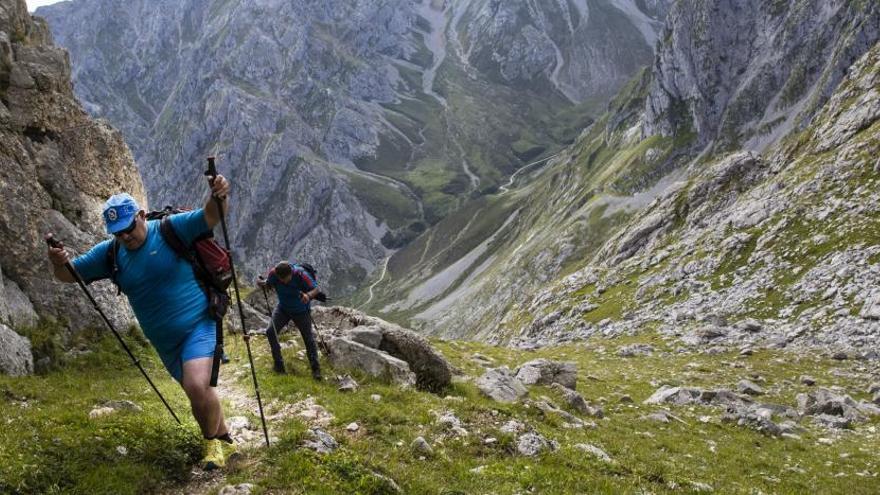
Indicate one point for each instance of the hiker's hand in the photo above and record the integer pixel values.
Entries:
(58, 256)
(304, 298)
(220, 187)
(261, 282)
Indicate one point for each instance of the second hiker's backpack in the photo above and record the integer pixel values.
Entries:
(308, 269)
(210, 261)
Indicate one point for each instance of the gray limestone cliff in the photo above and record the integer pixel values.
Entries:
(57, 166)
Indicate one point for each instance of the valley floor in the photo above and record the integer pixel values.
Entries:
(49, 444)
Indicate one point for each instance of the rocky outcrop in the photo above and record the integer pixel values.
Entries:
(56, 169)
(432, 371)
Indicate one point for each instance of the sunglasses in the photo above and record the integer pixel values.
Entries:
(127, 230)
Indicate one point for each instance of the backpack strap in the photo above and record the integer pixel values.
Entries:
(173, 240)
(113, 263)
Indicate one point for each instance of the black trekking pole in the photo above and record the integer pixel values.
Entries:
(53, 243)
(269, 310)
(321, 343)
(211, 173)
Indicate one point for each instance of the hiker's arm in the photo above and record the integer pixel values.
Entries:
(219, 189)
(90, 266)
(308, 294)
(58, 257)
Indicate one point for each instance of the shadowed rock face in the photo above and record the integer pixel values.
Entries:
(746, 71)
(57, 167)
(347, 127)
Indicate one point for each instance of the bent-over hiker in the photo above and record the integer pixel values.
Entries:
(295, 289)
(169, 303)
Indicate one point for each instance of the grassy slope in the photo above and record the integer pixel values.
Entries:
(51, 446)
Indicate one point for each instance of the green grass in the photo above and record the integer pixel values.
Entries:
(51, 446)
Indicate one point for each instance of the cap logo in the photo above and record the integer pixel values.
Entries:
(112, 215)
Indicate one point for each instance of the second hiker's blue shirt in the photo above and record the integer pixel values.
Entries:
(288, 294)
(161, 286)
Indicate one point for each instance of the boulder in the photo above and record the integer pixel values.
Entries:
(16, 357)
(824, 401)
(546, 372)
(577, 402)
(531, 444)
(347, 354)
(433, 372)
(500, 385)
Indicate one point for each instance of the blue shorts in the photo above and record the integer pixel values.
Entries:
(198, 344)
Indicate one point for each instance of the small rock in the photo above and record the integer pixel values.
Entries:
(375, 397)
(808, 380)
(874, 388)
(347, 384)
(625, 399)
(322, 443)
(478, 469)
(421, 446)
(490, 440)
(701, 487)
(749, 388)
(660, 416)
(101, 411)
(576, 401)
(448, 420)
(240, 489)
(840, 356)
(122, 405)
(513, 426)
(532, 444)
(353, 427)
(634, 350)
(122, 450)
(595, 451)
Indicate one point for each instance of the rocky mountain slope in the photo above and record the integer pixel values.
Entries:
(546, 261)
(57, 166)
(348, 127)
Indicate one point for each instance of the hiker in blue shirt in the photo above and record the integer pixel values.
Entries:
(170, 306)
(295, 289)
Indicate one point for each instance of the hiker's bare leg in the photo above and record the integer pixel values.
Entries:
(202, 397)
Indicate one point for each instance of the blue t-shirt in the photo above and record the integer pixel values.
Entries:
(161, 286)
(288, 294)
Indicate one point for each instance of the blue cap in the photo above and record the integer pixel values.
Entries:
(119, 212)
